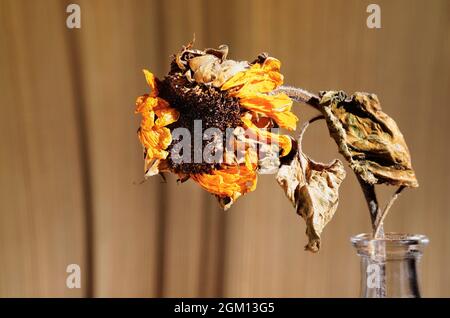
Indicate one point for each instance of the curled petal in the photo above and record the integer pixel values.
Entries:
(251, 87)
(262, 78)
(209, 69)
(283, 141)
(155, 141)
(148, 120)
(145, 103)
(277, 107)
(155, 166)
(231, 181)
(151, 81)
(166, 116)
(154, 136)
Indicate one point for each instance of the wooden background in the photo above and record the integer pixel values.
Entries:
(70, 162)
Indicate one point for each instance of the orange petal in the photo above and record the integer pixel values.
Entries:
(166, 116)
(146, 103)
(258, 78)
(230, 181)
(151, 81)
(283, 141)
(251, 86)
(148, 120)
(155, 141)
(277, 107)
(154, 136)
(271, 64)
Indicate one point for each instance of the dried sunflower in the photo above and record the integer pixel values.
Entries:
(213, 120)
(205, 87)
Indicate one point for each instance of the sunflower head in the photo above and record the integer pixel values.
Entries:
(212, 120)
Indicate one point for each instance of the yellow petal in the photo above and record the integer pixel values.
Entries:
(151, 81)
(146, 103)
(166, 116)
(251, 87)
(230, 181)
(271, 64)
(277, 107)
(148, 120)
(155, 141)
(258, 78)
(283, 141)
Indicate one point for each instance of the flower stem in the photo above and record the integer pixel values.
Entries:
(381, 216)
(300, 95)
(371, 199)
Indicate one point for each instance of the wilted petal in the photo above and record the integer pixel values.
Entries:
(155, 166)
(230, 182)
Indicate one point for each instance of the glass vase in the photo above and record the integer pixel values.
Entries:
(390, 266)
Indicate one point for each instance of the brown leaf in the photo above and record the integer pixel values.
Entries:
(368, 138)
(318, 198)
(289, 177)
(313, 189)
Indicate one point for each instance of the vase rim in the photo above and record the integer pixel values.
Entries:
(391, 238)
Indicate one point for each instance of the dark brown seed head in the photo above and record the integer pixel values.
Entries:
(215, 108)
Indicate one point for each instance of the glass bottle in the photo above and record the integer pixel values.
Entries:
(390, 266)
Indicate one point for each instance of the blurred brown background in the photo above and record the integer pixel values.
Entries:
(70, 162)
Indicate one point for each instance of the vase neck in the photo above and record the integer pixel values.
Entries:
(390, 266)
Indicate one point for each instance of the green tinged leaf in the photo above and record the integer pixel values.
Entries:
(368, 138)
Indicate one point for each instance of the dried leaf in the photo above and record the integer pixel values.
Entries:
(318, 198)
(313, 189)
(289, 177)
(368, 138)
